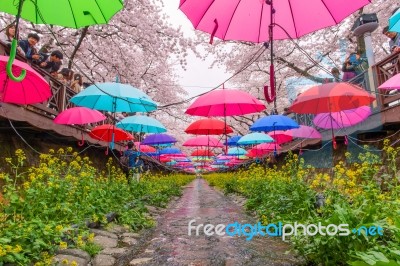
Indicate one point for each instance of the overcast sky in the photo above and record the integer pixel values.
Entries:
(198, 77)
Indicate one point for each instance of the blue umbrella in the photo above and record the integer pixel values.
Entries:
(158, 139)
(171, 150)
(232, 141)
(274, 122)
(114, 97)
(254, 138)
(394, 22)
(141, 123)
(236, 151)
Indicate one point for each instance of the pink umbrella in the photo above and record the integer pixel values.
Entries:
(79, 116)
(342, 119)
(281, 136)
(33, 89)
(391, 84)
(225, 102)
(267, 147)
(203, 141)
(249, 20)
(305, 132)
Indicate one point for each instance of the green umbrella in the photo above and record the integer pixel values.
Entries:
(66, 13)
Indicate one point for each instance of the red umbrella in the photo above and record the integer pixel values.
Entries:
(281, 136)
(208, 126)
(331, 97)
(144, 148)
(207, 153)
(33, 89)
(109, 133)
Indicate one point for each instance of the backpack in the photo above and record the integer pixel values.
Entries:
(124, 161)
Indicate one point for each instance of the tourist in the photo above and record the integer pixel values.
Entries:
(28, 47)
(135, 164)
(394, 39)
(77, 83)
(8, 35)
(53, 64)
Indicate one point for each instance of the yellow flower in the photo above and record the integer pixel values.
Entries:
(65, 261)
(69, 149)
(17, 249)
(63, 245)
(73, 263)
(59, 228)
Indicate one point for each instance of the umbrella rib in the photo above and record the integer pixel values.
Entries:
(230, 20)
(101, 11)
(73, 14)
(323, 2)
(294, 22)
(259, 28)
(204, 14)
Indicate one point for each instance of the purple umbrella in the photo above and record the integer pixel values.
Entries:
(157, 139)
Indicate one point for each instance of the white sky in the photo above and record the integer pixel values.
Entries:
(198, 77)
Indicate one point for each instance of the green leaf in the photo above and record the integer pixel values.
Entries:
(379, 255)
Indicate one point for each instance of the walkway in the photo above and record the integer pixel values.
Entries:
(171, 244)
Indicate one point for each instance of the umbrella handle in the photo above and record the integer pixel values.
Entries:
(346, 141)
(334, 144)
(106, 153)
(80, 143)
(10, 62)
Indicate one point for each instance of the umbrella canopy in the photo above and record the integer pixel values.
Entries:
(141, 123)
(281, 136)
(225, 102)
(342, 119)
(236, 151)
(109, 133)
(79, 116)
(232, 141)
(171, 150)
(331, 97)
(394, 22)
(203, 141)
(254, 138)
(248, 20)
(114, 97)
(157, 139)
(274, 122)
(208, 126)
(202, 153)
(391, 84)
(33, 89)
(66, 13)
(255, 153)
(144, 148)
(305, 132)
(267, 147)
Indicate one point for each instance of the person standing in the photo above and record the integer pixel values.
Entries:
(134, 163)
(394, 39)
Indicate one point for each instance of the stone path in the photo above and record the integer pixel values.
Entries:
(171, 244)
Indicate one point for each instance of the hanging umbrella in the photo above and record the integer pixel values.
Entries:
(249, 20)
(109, 133)
(171, 150)
(144, 148)
(254, 138)
(225, 102)
(255, 20)
(202, 141)
(391, 84)
(236, 151)
(305, 132)
(281, 136)
(255, 153)
(208, 126)
(67, 13)
(267, 147)
(394, 22)
(141, 123)
(331, 97)
(342, 119)
(114, 97)
(202, 153)
(232, 141)
(157, 139)
(78, 116)
(34, 89)
(274, 122)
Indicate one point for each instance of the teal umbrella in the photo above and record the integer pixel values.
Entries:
(114, 97)
(254, 138)
(236, 151)
(141, 123)
(394, 22)
(67, 13)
